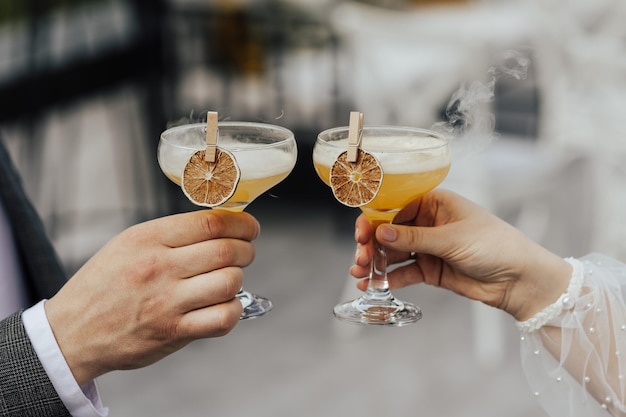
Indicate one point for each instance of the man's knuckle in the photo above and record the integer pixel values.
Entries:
(212, 225)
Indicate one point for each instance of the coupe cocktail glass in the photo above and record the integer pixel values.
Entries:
(265, 154)
(413, 162)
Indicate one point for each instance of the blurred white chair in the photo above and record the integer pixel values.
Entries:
(581, 58)
(401, 67)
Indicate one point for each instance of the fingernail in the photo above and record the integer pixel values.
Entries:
(356, 234)
(388, 233)
(357, 253)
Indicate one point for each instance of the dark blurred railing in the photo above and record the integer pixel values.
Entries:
(105, 43)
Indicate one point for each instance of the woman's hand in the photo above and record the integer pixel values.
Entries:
(453, 243)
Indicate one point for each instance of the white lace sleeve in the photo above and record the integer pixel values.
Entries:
(574, 351)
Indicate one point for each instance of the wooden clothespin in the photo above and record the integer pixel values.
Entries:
(211, 136)
(355, 132)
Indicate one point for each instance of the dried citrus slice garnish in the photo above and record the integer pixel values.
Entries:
(210, 184)
(356, 183)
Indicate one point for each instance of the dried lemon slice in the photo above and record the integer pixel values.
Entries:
(356, 183)
(210, 184)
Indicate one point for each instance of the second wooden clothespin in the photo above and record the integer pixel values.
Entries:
(211, 136)
(355, 131)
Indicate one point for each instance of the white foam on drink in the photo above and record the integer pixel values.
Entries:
(253, 162)
(396, 155)
(261, 163)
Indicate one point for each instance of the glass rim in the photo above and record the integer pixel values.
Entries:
(225, 124)
(431, 133)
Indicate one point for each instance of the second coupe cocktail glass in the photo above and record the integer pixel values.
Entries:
(265, 155)
(413, 161)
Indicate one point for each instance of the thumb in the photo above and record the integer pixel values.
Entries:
(412, 238)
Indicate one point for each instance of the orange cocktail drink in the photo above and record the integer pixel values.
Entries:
(395, 166)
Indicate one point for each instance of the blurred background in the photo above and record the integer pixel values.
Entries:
(538, 88)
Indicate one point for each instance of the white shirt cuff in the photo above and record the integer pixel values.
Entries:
(80, 401)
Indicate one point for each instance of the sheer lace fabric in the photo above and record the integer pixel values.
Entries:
(575, 364)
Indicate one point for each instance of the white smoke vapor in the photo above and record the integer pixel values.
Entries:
(201, 118)
(468, 115)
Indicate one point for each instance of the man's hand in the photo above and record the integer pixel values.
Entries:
(153, 289)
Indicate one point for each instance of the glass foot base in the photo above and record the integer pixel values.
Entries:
(253, 305)
(389, 312)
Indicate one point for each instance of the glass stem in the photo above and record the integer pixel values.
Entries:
(378, 286)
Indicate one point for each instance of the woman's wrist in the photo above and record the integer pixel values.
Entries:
(543, 282)
(566, 301)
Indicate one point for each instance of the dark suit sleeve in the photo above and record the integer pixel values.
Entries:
(43, 272)
(25, 389)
